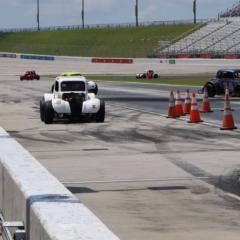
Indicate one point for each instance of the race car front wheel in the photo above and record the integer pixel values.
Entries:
(48, 112)
(211, 90)
(42, 103)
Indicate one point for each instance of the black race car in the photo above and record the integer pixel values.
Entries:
(224, 78)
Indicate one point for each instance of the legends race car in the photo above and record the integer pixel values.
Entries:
(92, 86)
(224, 78)
(147, 74)
(29, 75)
(70, 99)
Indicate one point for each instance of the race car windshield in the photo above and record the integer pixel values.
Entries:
(71, 86)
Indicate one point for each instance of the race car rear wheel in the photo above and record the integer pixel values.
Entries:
(155, 75)
(42, 103)
(48, 112)
(211, 90)
(100, 117)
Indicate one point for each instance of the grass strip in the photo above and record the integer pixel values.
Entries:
(190, 80)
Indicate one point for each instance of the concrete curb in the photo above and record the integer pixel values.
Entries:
(29, 193)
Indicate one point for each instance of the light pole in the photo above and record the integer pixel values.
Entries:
(136, 12)
(195, 11)
(38, 20)
(83, 25)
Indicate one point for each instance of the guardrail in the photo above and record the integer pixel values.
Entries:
(37, 57)
(31, 195)
(108, 25)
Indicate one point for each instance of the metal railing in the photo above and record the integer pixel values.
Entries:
(100, 26)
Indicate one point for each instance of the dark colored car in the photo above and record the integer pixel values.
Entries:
(29, 75)
(224, 77)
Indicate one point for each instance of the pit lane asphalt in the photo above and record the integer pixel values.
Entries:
(134, 145)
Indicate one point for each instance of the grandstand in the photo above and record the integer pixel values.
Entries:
(214, 40)
(234, 11)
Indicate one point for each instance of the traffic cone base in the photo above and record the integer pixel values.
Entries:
(194, 122)
(222, 110)
(228, 128)
(207, 111)
(173, 117)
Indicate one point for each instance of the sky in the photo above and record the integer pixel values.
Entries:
(22, 13)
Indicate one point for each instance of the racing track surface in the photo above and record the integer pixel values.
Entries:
(135, 145)
(154, 98)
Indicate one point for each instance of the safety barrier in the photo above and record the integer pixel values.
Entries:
(37, 57)
(112, 60)
(30, 194)
(8, 55)
(74, 59)
(204, 60)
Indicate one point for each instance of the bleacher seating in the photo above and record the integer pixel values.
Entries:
(191, 39)
(219, 40)
(234, 11)
(220, 37)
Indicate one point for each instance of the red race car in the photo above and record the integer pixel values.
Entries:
(29, 75)
(147, 74)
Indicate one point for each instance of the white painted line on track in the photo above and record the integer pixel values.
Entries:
(138, 180)
(233, 196)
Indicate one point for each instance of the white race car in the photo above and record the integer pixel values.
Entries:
(71, 99)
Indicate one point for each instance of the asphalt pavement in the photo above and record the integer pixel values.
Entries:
(154, 98)
(145, 176)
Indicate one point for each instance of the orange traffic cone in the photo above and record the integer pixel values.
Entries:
(228, 122)
(205, 103)
(194, 113)
(187, 103)
(178, 104)
(227, 93)
(172, 109)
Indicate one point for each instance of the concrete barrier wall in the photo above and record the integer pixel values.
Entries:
(29, 193)
(75, 59)
(204, 61)
(95, 60)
